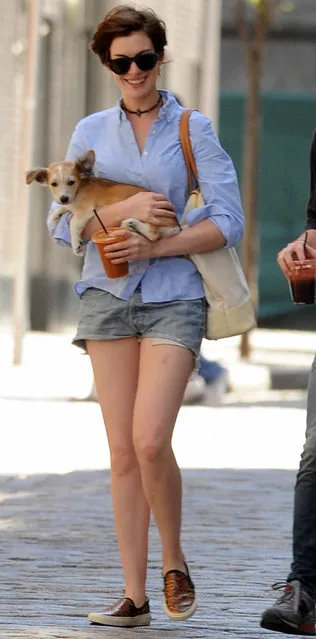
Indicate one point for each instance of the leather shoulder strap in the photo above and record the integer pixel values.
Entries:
(187, 147)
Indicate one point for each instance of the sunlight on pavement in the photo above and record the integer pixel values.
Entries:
(59, 437)
(43, 431)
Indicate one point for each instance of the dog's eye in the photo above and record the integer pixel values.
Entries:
(53, 183)
(71, 182)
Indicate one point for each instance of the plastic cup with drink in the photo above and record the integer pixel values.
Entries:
(303, 280)
(104, 238)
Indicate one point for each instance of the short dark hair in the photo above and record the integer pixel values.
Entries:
(122, 21)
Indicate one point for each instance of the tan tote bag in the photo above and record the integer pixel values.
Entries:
(230, 310)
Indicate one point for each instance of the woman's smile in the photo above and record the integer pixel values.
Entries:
(136, 83)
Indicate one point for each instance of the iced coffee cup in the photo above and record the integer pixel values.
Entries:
(302, 282)
(102, 239)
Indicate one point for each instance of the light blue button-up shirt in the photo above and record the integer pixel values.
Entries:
(159, 168)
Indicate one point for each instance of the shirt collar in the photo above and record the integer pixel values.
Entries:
(166, 110)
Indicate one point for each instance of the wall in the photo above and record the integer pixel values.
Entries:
(287, 124)
(73, 83)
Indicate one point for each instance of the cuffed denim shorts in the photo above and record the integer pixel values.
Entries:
(102, 316)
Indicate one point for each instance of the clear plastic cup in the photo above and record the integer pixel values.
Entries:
(302, 282)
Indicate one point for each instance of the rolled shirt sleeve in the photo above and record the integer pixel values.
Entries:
(217, 181)
(78, 145)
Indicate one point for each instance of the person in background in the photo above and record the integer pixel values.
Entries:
(294, 611)
(209, 383)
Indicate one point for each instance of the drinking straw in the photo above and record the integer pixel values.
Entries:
(178, 223)
(97, 216)
(305, 240)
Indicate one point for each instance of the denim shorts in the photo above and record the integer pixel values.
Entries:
(102, 316)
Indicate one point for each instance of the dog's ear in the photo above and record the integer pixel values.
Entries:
(86, 162)
(40, 175)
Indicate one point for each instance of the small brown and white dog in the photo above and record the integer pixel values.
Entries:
(78, 191)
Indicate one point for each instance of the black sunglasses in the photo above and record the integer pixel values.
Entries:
(145, 61)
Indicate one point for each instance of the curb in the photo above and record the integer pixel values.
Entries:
(253, 377)
(295, 378)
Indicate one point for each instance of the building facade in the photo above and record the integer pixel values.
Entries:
(72, 83)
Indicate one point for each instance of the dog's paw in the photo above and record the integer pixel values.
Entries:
(148, 231)
(169, 231)
(130, 225)
(58, 213)
(54, 217)
(78, 248)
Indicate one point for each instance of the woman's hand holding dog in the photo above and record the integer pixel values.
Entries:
(135, 247)
(145, 206)
(149, 207)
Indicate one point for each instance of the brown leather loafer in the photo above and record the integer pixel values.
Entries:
(122, 613)
(179, 591)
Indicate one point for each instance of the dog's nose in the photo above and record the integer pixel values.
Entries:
(64, 199)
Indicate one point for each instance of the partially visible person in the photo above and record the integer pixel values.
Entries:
(208, 383)
(294, 611)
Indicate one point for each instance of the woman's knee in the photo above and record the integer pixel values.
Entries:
(151, 448)
(123, 460)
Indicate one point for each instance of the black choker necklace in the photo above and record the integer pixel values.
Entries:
(139, 112)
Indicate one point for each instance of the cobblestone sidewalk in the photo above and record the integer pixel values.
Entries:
(59, 556)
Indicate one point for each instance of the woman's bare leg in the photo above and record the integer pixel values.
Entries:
(163, 375)
(115, 365)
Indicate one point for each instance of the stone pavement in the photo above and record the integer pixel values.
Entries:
(60, 558)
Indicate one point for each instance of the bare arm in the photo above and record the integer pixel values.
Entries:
(204, 236)
(111, 215)
(153, 208)
(199, 238)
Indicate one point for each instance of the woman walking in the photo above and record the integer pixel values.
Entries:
(143, 331)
